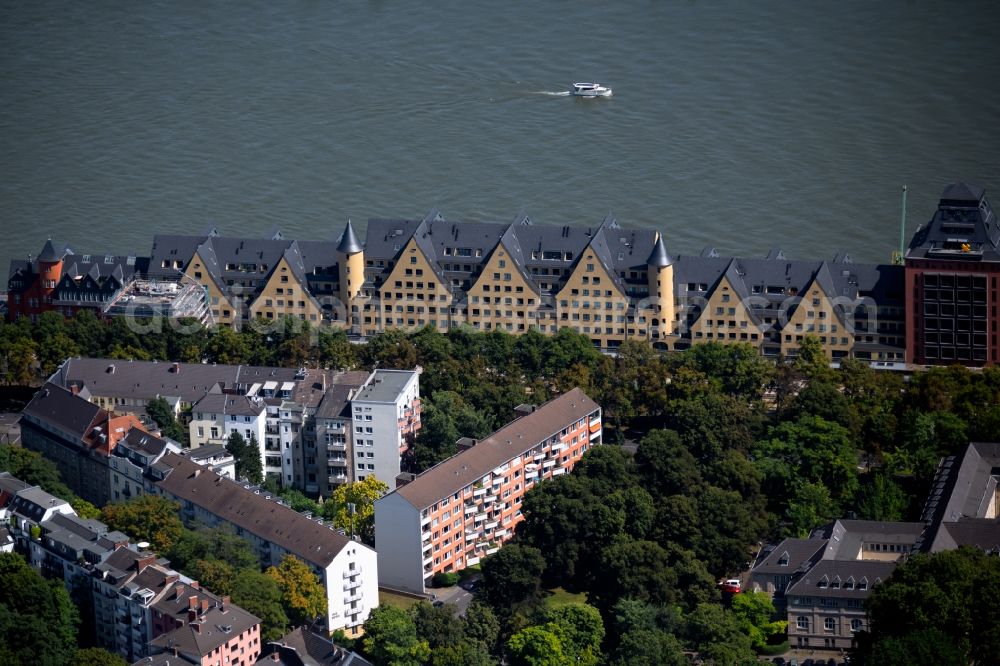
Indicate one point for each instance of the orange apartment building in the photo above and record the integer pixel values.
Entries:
(467, 506)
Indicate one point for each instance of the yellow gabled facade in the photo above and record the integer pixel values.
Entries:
(501, 298)
(412, 295)
(814, 315)
(591, 303)
(284, 295)
(725, 318)
(223, 311)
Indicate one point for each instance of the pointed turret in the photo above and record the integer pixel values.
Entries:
(351, 267)
(349, 243)
(659, 258)
(661, 285)
(49, 254)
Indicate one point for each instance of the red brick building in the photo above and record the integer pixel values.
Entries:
(952, 275)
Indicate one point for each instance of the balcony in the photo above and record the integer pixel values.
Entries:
(548, 463)
(336, 478)
(353, 597)
(470, 508)
(425, 520)
(352, 572)
(491, 525)
(478, 492)
(425, 535)
(350, 586)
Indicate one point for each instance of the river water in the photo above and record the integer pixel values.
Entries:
(740, 125)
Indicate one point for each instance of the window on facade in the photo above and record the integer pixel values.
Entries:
(802, 623)
(830, 625)
(856, 624)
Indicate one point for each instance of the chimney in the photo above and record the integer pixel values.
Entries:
(176, 368)
(204, 606)
(225, 602)
(74, 389)
(192, 602)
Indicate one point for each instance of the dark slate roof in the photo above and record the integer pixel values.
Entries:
(304, 538)
(872, 570)
(961, 491)
(222, 403)
(171, 248)
(146, 380)
(513, 439)
(800, 552)
(302, 647)
(349, 243)
(963, 218)
(659, 258)
(981, 533)
(56, 406)
(9, 486)
(32, 503)
(205, 452)
(215, 627)
(49, 254)
(142, 442)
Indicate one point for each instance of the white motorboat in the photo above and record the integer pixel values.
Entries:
(590, 90)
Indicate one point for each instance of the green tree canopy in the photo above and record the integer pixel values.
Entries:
(96, 657)
(146, 518)
(952, 592)
(352, 506)
(38, 621)
(391, 638)
(302, 593)
(537, 646)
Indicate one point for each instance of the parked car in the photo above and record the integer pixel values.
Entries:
(731, 585)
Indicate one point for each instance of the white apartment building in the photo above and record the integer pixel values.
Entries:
(467, 506)
(385, 416)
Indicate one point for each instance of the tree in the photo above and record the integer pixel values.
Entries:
(755, 610)
(38, 621)
(253, 468)
(237, 448)
(391, 638)
(718, 635)
(463, 653)
(146, 518)
(511, 579)
(882, 499)
(85, 509)
(352, 506)
(160, 411)
(952, 592)
(219, 543)
(481, 624)
(537, 646)
(437, 625)
(96, 657)
(260, 594)
(580, 630)
(649, 647)
(634, 569)
(33, 468)
(302, 593)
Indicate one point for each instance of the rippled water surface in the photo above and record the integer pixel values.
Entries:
(742, 125)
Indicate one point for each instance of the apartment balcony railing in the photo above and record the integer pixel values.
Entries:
(352, 597)
(352, 572)
(350, 586)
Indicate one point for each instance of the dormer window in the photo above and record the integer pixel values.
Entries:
(783, 560)
(835, 585)
(849, 585)
(863, 584)
(824, 582)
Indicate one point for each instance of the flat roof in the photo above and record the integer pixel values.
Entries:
(385, 385)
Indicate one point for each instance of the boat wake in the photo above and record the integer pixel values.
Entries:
(553, 93)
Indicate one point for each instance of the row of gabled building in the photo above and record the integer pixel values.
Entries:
(820, 584)
(606, 282)
(138, 606)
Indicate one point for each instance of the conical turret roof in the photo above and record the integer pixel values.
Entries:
(49, 254)
(349, 243)
(659, 258)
